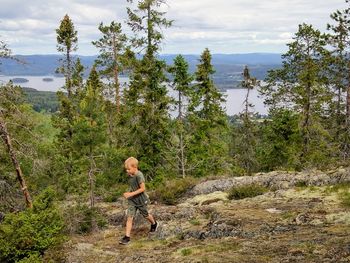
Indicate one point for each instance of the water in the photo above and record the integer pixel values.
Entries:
(234, 97)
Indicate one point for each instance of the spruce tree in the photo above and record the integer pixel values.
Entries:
(146, 97)
(181, 84)
(67, 43)
(208, 149)
(89, 131)
(67, 168)
(244, 146)
(302, 84)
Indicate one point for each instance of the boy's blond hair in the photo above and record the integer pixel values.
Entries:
(132, 161)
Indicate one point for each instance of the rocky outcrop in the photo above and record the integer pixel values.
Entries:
(275, 180)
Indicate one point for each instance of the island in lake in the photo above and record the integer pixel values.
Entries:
(19, 80)
(47, 79)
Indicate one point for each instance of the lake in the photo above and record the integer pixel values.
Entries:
(234, 97)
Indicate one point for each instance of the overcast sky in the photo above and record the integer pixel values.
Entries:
(224, 26)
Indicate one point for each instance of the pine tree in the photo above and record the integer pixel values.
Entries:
(111, 46)
(340, 77)
(11, 99)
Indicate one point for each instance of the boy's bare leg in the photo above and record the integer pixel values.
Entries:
(150, 218)
(128, 226)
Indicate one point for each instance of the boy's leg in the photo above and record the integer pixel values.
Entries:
(150, 218)
(128, 226)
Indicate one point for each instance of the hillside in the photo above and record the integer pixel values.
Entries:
(297, 220)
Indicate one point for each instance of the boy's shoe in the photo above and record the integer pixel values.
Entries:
(154, 227)
(125, 240)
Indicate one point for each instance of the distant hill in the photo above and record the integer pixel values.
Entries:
(228, 66)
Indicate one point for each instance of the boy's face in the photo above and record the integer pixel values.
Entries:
(130, 169)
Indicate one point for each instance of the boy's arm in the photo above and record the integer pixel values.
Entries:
(138, 191)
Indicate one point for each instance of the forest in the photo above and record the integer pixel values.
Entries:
(76, 155)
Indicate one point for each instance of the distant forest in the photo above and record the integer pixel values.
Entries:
(227, 76)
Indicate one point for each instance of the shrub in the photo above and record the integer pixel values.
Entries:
(82, 219)
(26, 235)
(170, 191)
(245, 191)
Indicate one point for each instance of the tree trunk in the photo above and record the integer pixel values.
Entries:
(182, 154)
(7, 140)
(306, 123)
(68, 74)
(116, 79)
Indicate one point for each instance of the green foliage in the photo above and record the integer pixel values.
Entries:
(81, 219)
(301, 184)
(241, 192)
(146, 100)
(195, 222)
(244, 136)
(171, 190)
(280, 141)
(114, 193)
(31, 258)
(302, 85)
(42, 100)
(28, 234)
(345, 199)
(207, 148)
(186, 252)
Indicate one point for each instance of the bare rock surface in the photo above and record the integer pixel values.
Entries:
(307, 224)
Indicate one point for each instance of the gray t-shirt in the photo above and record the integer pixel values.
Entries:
(134, 184)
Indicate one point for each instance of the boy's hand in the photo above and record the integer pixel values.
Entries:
(127, 195)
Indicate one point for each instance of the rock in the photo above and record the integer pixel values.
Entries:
(276, 180)
(206, 199)
(273, 211)
(303, 219)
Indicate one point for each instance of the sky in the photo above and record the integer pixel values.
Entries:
(223, 26)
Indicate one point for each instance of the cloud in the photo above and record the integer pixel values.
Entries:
(233, 26)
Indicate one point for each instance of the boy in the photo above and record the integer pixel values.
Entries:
(137, 198)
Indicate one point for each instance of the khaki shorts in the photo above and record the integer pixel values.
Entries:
(132, 209)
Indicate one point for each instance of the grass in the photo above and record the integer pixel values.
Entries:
(343, 192)
(195, 222)
(186, 252)
(246, 191)
(345, 199)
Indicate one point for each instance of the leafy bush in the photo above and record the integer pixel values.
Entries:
(26, 235)
(246, 191)
(170, 191)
